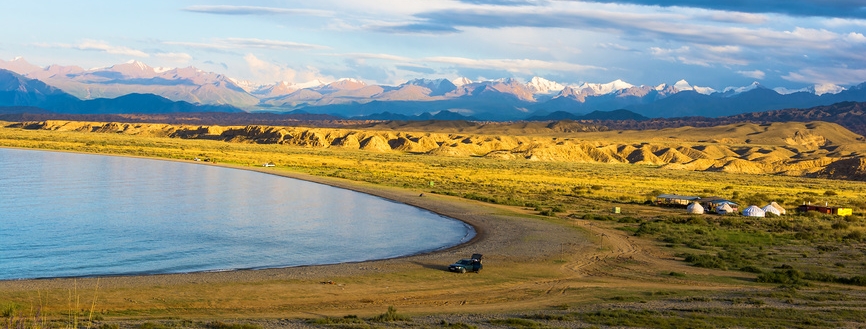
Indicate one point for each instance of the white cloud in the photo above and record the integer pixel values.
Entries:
(855, 37)
(737, 17)
(100, 46)
(614, 46)
(175, 57)
(755, 74)
(828, 75)
(844, 22)
(105, 47)
(271, 44)
(701, 55)
(247, 43)
(511, 65)
(386, 57)
(267, 72)
(253, 10)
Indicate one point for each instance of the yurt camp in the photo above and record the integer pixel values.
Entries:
(769, 209)
(753, 211)
(725, 209)
(695, 208)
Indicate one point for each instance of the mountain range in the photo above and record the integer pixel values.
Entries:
(72, 89)
(21, 94)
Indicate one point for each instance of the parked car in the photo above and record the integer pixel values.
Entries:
(473, 264)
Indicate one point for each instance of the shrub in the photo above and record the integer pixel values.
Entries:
(223, 325)
(628, 219)
(789, 276)
(348, 319)
(390, 316)
(648, 228)
(857, 280)
(697, 221)
(516, 322)
(151, 325)
(856, 236)
(458, 325)
(8, 310)
(827, 248)
(707, 261)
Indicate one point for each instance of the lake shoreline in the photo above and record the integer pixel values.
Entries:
(482, 218)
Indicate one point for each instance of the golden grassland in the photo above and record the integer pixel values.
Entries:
(645, 267)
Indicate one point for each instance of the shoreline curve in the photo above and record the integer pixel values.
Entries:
(478, 216)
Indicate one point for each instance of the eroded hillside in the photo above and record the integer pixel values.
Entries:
(798, 149)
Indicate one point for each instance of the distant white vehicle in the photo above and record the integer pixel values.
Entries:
(269, 164)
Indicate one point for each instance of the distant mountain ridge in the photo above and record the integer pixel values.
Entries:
(492, 100)
(22, 94)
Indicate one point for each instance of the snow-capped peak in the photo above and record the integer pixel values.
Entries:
(310, 84)
(740, 90)
(786, 91)
(684, 85)
(18, 58)
(461, 81)
(661, 87)
(543, 86)
(826, 88)
(352, 80)
(140, 65)
(606, 88)
(246, 84)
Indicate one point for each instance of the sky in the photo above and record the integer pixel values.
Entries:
(779, 43)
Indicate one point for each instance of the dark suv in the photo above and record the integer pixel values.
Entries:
(467, 265)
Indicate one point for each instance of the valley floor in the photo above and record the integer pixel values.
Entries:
(540, 271)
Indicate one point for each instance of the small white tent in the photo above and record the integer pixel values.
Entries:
(778, 207)
(769, 209)
(724, 209)
(753, 211)
(695, 208)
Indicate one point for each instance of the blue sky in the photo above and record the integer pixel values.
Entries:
(779, 43)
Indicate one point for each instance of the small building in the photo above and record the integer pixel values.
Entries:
(724, 209)
(674, 200)
(770, 209)
(713, 203)
(695, 208)
(753, 211)
(838, 211)
(778, 207)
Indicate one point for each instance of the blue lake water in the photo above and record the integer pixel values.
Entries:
(64, 214)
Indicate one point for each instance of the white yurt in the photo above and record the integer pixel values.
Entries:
(769, 209)
(724, 209)
(695, 208)
(753, 211)
(778, 207)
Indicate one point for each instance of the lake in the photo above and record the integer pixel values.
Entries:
(72, 215)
